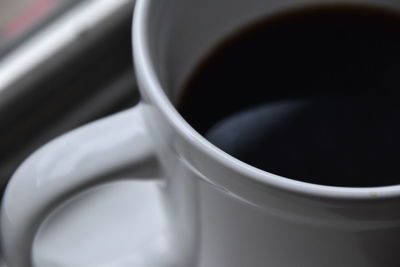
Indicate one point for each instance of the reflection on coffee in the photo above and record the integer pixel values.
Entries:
(309, 94)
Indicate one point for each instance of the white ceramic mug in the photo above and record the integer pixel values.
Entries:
(222, 212)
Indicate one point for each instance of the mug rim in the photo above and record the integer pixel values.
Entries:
(156, 94)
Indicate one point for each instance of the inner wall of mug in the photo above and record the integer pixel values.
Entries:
(182, 32)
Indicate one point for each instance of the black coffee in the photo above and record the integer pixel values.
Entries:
(310, 94)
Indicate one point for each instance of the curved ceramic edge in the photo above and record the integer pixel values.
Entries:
(68, 165)
(155, 93)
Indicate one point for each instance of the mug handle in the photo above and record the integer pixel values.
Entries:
(106, 150)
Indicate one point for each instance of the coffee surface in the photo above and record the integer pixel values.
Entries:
(309, 94)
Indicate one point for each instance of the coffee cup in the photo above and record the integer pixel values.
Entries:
(222, 212)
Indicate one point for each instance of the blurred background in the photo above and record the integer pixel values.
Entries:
(20, 17)
(63, 63)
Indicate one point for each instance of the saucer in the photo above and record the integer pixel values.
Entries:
(117, 224)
